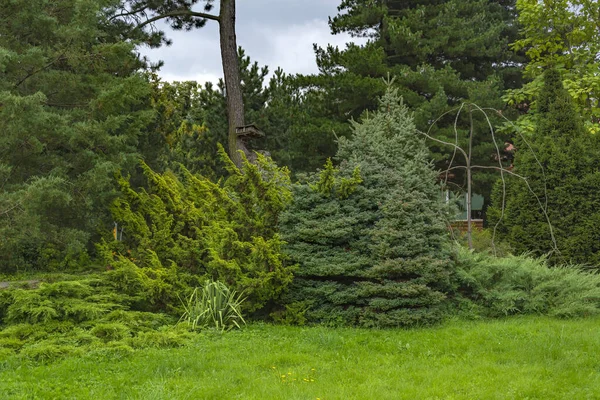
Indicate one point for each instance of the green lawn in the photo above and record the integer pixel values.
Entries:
(518, 358)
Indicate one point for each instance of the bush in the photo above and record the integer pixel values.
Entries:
(525, 285)
(110, 331)
(179, 232)
(60, 318)
(61, 301)
(482, 242)
(47, 352)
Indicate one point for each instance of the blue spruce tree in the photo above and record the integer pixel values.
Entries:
(370, 236)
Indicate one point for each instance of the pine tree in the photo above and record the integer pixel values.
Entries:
(370, 236)
(567, 186)
(73, 109)
(442, 53)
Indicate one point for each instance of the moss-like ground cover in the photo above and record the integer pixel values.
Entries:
(517, 358)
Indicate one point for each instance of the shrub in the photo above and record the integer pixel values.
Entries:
(482, 242)
(181, 231)
(110, 331)
(47, 352)
(75, 301)
(526, 285)
(88, 313)
(164, 338)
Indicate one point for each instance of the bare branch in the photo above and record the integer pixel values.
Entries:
(530, 149)
(455, 142)
(445, 143)
(127, 13)
(179, 13)
(534, 195)
(502, 170)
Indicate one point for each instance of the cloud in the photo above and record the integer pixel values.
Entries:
(275, 33)
(291, 47)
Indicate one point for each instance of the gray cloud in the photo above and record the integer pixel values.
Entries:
(277, 33)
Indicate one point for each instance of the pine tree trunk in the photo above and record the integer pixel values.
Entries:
(231, 72)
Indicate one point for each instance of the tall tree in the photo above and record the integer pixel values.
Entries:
(560, 162)
(73, 111)
(181, 15)
(442, 52)
(370, 236)
(192, 119)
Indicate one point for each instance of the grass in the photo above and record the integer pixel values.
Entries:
(517, 358)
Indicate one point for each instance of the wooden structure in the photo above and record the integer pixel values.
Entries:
(461, 225)
(247, 132)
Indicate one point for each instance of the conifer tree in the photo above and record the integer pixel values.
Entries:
(442, 53)
(370, 236)
(560, 162)
(177, 229)
(73, 110)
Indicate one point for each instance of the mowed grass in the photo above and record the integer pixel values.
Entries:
(517, 358)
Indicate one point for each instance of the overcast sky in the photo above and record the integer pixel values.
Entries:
(277, 33)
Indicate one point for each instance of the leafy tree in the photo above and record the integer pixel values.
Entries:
(562, 34)
(370, 236)
(560, 162)
(73, 110)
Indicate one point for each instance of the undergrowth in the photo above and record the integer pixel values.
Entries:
(80, 315)
(492, 287)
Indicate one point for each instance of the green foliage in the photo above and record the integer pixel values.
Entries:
(525, 285)
(111, 331)
(560, 164)
(44, 352)
(73, 109)
(483, 241)
(292, 314)
(213, 306)
(342, 188)
(442, 53)
(76, 314)
(180, 231)
(166, 337)
(561, 34)
(61, 301)
(378, 254)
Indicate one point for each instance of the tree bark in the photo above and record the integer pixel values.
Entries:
(231, 72)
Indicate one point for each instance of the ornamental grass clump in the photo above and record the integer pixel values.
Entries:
(213, 305)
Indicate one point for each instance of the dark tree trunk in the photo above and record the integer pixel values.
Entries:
(231, 72)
